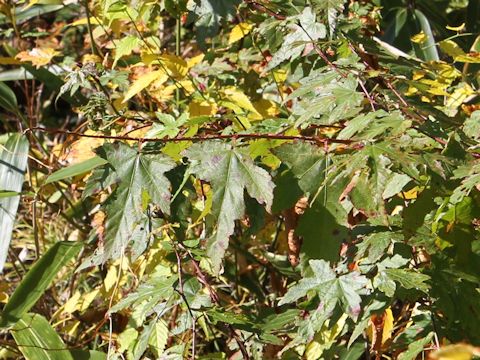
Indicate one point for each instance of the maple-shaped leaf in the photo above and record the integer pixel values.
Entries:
(38, 56)
(330, 288)
(323, 226)
(390, 273)
(230, 171)
(307, 162)
(136, 173)
(209, 15)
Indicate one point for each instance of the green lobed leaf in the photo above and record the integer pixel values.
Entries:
(209, 14)
(307, 162)
(409, 279)
(136, 173)
(330, 288)
(155, 289)
(125, 47)
(415, 348)
(230, 171)
(323, 225)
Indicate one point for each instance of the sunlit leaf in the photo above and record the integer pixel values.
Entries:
(38, 340)
(13, 162)
(230, 172)
(143, 82)
(239, 31)
(38, 56)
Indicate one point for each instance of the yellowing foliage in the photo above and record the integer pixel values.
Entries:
(38, 56)
(239, 31)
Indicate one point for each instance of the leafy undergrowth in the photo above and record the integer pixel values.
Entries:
(226, 179)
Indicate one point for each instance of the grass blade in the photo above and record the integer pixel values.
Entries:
(37, 340)
(38, 280)
(76, 169)
(13, 162)
(8, 100)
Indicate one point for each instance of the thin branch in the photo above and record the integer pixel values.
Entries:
(264, 9)
(314, 139)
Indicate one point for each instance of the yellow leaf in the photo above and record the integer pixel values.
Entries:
(110, 279)
(451, 48)
(79, 302)
(162, 93)
(459, 96)
(71, 305)
(455, 352)
(31, 3)
(410, 194)
(456, 28)
(472, 58)
(177, 66)
(71, 328)
(42, 2)
(9, 61)
(203, 108)
(418, 74)
(280, 75)
(239, 32)
(173, 149)
(207, 204)
(411, 91)
(87, 299)
(387, 325)
(144, 81)
(148, 58)
(91, 58)
(261, 148)
(324, 339)
(241, 123)
(195, 60)
(84, 21)
(447, 72)
(37, 56)
(83, 148)
(419, 38)
(264, 109)
(238, 98)
(435, 87)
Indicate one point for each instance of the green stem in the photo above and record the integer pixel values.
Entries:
(178, 39)
(93, 45)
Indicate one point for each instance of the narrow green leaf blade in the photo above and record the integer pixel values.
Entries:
(8, 100)
(76, 169)
(38, 280)
(13, 162)
(87, 355)
(37, 340)
(428, 50)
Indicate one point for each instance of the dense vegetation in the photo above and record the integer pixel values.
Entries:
(213, 179)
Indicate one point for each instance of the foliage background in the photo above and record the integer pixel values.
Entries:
(239, 179)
